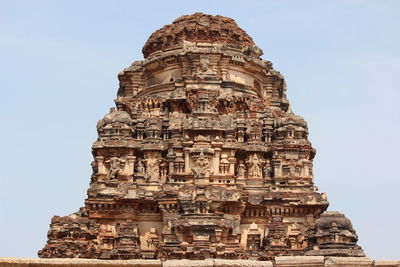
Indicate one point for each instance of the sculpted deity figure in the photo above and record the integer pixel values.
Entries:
(255, 167)
(241, 170)
(204, 62)
(267, 170)
(202, 166)
(153, 168)
(163, 170)
(140, 167)
(115, 167)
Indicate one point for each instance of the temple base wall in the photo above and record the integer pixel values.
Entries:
(287, 261)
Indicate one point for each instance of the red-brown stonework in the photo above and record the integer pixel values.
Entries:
(197, 28)
(201, 158)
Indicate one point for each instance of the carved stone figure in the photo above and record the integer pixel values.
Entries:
(254, 164)
(241, 170)
(201, 167)
(153, 166)
(140, 167)
(267, 170)
(204, 62)
(115, 167)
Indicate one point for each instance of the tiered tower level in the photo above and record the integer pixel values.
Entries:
(201, 158)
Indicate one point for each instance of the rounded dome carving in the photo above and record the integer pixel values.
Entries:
(197, 27)
(331, 219)
(115, 119)
(333, 235)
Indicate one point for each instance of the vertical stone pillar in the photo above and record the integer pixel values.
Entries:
(187, 160)
(240, 135)
(100, 165)
(171, 158)
(129, 165)
(305, 170)
(232, 163)
(217, 155)
(277, 168)
(269, 86)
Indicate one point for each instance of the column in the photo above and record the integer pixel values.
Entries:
(187, 161)
(217, 155)
(129, 165)
(101, 169)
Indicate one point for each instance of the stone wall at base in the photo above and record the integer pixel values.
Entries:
(284, 261)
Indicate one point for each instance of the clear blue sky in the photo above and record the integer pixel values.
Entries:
(59, 62)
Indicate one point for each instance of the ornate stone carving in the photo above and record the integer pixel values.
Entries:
(253, 239)
(201, 166)
(204, 63)
(198, 27)
(140, 167)
(333, 235)
(115, 167)
(202, 158)
(153, 165)
(254, 166)
(241, 170)
(267, 171)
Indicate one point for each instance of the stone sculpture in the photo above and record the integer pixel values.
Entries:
(115, 168)
(201, 158)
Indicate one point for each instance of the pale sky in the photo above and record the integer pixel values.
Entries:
(59, 62)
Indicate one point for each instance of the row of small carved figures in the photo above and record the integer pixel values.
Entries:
(254, 168)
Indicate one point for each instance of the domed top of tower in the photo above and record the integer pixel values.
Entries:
(334, 219)
(115, 117)
(333, 235)
(198, 27)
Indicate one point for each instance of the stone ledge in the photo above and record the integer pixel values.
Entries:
(188, 263)
(241, 263)
(23, 262)
(284, 261)
(348, 261)
(386, 263)
(308, 261)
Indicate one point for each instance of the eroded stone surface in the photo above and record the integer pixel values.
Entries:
(21, 262)
(201, 158)
(288, 261)
(348, 261)
(333, 235)
(284, 261)
(386, 263)
(189, 263)
(197, 28)
(241, 263)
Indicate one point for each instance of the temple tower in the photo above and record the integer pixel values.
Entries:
(202, 157)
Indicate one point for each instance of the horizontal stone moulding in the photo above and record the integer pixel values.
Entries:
(283, 261)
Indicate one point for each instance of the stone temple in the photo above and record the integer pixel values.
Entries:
(202, 158)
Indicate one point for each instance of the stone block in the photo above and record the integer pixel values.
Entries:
(188, 263)
(22, 262)
(386, 263)
(348, 261)
(241, 263)
(290, 261)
